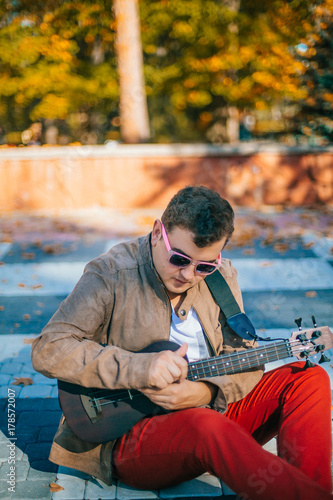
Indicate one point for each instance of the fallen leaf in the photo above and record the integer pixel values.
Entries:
(7, 239)
(266, 264)
(26, 316)
(40, 304)
(311, 294)
(248, 251)
(54, 249)
(308, 245)
(28, 341)
(17, 325)
(22, 381)
(281, 247)
(21, 285)
(2, 263)
(37, 286)
(28, 255)
(55, 487)
(63, 227)
(2, 308)
(264, 223)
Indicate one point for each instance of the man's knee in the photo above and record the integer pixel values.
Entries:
(313, 378)
(204, 421)
(320, 378)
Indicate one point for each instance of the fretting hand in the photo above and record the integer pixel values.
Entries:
(167, 367)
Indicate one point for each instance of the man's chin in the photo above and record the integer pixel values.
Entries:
(178, 282)
(178, 286)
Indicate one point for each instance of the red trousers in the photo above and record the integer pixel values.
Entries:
(290, 402)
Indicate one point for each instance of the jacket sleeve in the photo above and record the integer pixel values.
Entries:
(69, 347)
(235, 386)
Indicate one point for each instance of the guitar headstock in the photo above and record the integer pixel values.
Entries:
(311, 341)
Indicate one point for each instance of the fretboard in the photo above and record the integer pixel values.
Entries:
(239, 361)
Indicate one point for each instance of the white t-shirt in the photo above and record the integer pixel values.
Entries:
(189, 331)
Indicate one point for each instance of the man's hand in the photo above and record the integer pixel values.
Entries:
(167, 367)
(185, 394)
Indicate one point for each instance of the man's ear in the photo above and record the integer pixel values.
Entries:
(156, 233)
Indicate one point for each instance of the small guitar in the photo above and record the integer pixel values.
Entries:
(101, 415)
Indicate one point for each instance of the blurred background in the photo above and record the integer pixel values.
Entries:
(166, 71)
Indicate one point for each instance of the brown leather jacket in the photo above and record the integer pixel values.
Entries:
(120, 301)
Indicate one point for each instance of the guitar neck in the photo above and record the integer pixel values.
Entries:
(239, 361)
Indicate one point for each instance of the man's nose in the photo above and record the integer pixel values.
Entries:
(188, 272)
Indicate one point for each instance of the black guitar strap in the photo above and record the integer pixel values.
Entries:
(223, 296)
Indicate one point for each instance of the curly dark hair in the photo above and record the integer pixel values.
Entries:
(203, 212)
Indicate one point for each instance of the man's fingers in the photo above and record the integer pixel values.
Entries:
(168, 367)
(178, 366)
(177, 369)
(182, 350)
(181, 362)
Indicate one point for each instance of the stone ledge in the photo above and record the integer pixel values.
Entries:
(132, 177)
(115, 150)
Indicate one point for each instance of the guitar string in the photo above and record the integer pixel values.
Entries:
(275, 348)
(128, 396)
(270, 350)
(223, 360)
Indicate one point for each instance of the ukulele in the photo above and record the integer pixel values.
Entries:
(101, 415)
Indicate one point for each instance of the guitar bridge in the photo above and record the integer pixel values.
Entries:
(92, 407)
(96, 405)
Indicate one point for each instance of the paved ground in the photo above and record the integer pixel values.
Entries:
(285, 269)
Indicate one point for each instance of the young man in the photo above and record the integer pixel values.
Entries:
(153, 289)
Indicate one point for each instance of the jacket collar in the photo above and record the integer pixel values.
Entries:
(146, 259)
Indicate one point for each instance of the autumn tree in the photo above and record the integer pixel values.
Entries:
(58, 63)
(203, 57)
(315, 118)
(203, 60)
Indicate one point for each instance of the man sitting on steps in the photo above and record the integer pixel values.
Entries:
(152, 289)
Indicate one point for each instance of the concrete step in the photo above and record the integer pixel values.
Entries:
(80, 486)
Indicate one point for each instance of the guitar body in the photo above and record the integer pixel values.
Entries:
(101, 415)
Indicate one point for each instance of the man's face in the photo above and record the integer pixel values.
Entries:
(178, 280)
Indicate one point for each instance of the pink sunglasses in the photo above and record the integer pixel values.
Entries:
(180, 260)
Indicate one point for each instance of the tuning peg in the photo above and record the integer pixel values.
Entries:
(314, 321)
(308, 364)
(302, 338)
(298, 323)
(324, 359)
